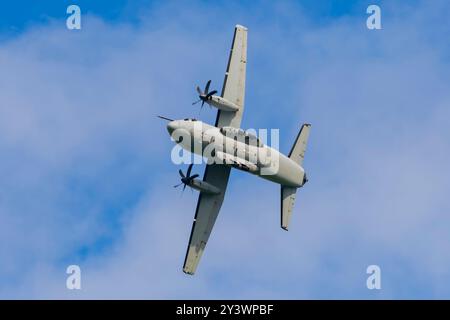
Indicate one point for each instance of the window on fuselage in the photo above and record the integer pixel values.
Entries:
(251, 140)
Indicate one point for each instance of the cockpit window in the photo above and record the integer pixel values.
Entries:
(190, 119)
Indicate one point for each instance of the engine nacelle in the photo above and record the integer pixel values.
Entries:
(204, 187)
(222, 104)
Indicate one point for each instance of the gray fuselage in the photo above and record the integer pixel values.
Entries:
(234, 147)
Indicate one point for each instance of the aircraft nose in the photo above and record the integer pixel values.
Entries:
(171, 126)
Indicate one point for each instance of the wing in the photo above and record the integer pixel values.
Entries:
(234, 83)
(208, 207)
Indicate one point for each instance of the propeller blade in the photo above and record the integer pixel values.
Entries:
(203, 102)
(199, 90)
(188, 173)
(196, 101)
(211, 94)
(184, 187)
(181, 173)
(164, 118)
(194, 176)
(207, 86)
(176, 186)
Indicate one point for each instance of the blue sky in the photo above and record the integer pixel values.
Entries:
(20, 14)
(84, 181)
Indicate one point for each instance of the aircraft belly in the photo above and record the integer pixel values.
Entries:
(289, 173)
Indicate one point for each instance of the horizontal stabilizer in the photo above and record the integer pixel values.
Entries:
(287, 204)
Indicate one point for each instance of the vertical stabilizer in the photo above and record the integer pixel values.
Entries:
(298, 149)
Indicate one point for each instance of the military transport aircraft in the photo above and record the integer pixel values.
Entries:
(288, 171)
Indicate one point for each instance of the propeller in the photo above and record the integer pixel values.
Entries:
(205, 95)
(186, 179)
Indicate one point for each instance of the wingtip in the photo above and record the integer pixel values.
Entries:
(239, 26)
(188, 272)
(284, 228)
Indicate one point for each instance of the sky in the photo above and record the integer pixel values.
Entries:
(86, 174)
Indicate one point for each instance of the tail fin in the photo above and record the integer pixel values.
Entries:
(288, 193)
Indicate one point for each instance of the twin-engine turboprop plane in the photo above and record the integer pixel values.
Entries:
(227, 146)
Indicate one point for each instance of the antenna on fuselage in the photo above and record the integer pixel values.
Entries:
(164, 118)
